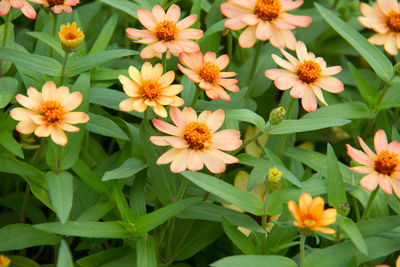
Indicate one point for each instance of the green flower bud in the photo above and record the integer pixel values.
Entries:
(273, 181)
(277, 115)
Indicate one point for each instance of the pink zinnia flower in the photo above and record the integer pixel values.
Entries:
(58, 6)
(263, 20)
(305, 76)
(49, 112)
(164, 33)
(384, 18)
(382, 168)
(195, 141)
(206, 71)
(26, 8)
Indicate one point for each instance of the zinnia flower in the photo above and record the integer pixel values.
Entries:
(263, 20)
(4, 261)
(164, 33)
(150, 89)
(206, 71)
(382, 168)
(384, 18)
(58, 6)
(310, 214)
(26, 8)
(71, 36)
(195, 141)
(305, 77)
(49, 112)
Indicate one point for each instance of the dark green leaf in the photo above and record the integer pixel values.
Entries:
(238, 238)
(352, 231)
(336, 191)
(8, 87)
(105, 35)
(104, 126)
(305, 125)
(146, 252)
(61, 193)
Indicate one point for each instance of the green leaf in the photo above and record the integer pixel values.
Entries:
(33, 62)
(146, 252)
(8, 142)
(8, 87)
(89, 61)
(107, 257)
(196, 9)
(255, 260)
(375, 226)
(61, 193)
(48, 39)
(130, 167)
(105, 35)
(348, 110)
(378, 61)
(137, 198)
(20, 236)
(215, 28)
(352, 231)
(124, 5)
(122, 204)
(64, 256)
(104, 126)
(19, 261)
(245, 115)
(238, 238)
(244, 200)
(362, 84)
(336, 191)
(305, 125)
(96, 212)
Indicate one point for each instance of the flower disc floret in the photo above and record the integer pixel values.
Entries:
(386, 162)
(58, 6)
(51, 110)
(197, 135)
(309, 71)
(268, 10)
(166, 31)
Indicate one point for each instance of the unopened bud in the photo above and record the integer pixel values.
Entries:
(277, 115)
(225, 32)
(71, 36)
(397, 68)
(273, 181)
(345, 208)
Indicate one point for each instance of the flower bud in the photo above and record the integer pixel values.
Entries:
(70, 37)
(4, 261)
(273, 181)
(397, 68)
(277, 115)
(345, 208)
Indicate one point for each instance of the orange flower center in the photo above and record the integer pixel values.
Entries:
(197, 135)
(166, 31)
(70, 36)
(386, 162)
(393, 21)
(209, 72)
(55, 2)
(308, 71)
(268, 10)
(51, 110)
(150, 90)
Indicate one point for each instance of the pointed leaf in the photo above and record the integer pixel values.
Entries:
(61, 193)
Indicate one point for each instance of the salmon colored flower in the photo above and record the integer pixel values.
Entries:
(58, 6)
(382, 168)
(195, 141)
(384, 18)
(264, 20)
(164, 33)
(49, 112)
(4, 261)
(71, 36)
(150, 89)
(26, 8)
(310, 214)
(305, 77)
(206, 71)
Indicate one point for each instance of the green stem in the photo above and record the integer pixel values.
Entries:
(63, 68)
(25, 203)
(335, 4)
(369, 205)
(337, 238)
(254, 67)
(164, 62)
(302, 244)
(195, 97)
(248, 141)
(356, 209)
(284, 137)
(230, 45)
(53, 32)
(264, 226)
(384, 91)
(6, 22)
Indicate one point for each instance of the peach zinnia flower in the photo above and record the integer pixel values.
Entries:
(195, 141)
(71, 36)
(384, 18)
(150, 89)
(26, 8)
(207, 72)
(4, 261)
(310, 214)
(305, 77)
(49, 112)
(264, 19)
(58, 6)
(382, 168)
(164, 33)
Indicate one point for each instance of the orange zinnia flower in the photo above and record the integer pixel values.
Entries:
(195, 140)
(207, 72)
(26, 8)
(150, 89)
(164, 33)
(384, 18)
(310, 214)
(49, 112)
(58, 6)
(4, 261)
(382, 168)
(264, 19)
(71, 36)
(305, 77)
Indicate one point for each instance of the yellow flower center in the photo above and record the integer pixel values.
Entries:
(209, 72)
(55, 2)
(309, 71)
(197, 135)
(166, 31)
(386, 162)
(393, 21)
(309, 223)
(51, 110)
(150, 90)
(268, 10)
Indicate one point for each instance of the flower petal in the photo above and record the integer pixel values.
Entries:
(380, 141)
(76, 117)
(180, 162)
(195, 161)
(370, 181)
(72, 101)
(359, 156)
(58, 135)
(227, 139)
(146, 18)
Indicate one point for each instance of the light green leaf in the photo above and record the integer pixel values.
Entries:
(362, 84)
(19, 261)
(255, 260)
(8, 87)
(124, 5)
(50, 40)
(61, 193)
(104, 126)
(238, 238)
(245, 115)
(352, 231)
(64, 256)
(217, 27)
(305, 125)
(105, 35)
(336, 191)
(348, 110)
(130, 167)
(8, 142)
(146, 252)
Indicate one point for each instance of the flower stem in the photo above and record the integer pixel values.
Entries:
(254, 67)
(369, 205)
(302, 244)
(63, 68)
(284, 137)
(5, 33)
(53, 33)
(230, 45)
(264, 226)
(195, 97)
(164, 62)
